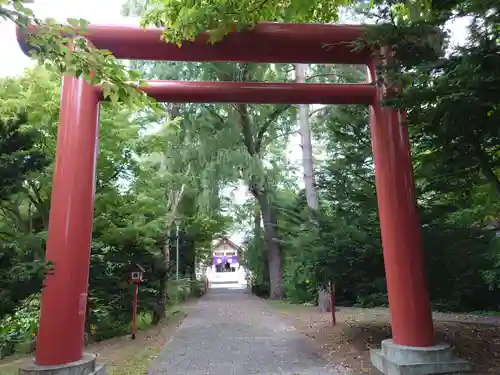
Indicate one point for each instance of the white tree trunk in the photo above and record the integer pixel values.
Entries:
(308, 165)
(306, 142)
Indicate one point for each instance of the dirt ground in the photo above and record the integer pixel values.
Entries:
(122, 355)
(476, 338)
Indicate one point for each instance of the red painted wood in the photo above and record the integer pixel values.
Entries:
(62, 320)
(260, 93)
(267, 42)
(409, 303)
(134, 311)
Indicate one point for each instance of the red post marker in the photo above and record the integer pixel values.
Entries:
(134, 311)
(332, 302)
(136, 278)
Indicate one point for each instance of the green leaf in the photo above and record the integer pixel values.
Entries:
(74, 22)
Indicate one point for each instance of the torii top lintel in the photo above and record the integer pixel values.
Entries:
(266, 42)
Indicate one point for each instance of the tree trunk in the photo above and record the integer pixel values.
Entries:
(270, 221)
(161, 303)
(308, 165)
(306, 142)
(88, 337)
(324, 300)
(257, 234)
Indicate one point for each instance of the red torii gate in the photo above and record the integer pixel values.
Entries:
(61, 331)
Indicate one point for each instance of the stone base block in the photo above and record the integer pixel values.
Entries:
(394, 359)
(99, 370)
(86, 366)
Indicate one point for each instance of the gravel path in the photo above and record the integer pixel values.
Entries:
(232, 332)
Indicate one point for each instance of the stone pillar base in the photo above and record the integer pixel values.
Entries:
(395, 359)
(86, 366)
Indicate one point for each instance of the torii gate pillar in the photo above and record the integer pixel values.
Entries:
(60, 338)
(412, 349)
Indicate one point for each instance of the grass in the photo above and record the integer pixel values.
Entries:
(486, 313)
(122, 355)
(287, 307)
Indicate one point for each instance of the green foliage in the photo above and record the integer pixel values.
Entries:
(197, 288)
(106, 326)
(184, 288)
(185, 20)
(49, 43)
(20, 274)
(112, 328)
(130, 222)
(342, 242)
(18, 158)
(20, 327)
(256, 261)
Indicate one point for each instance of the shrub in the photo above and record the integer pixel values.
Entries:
(18, 329)
(197, 288)
(179, 291)
(260, 290)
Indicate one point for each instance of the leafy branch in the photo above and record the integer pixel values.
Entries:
(186, 19)
(65, 49)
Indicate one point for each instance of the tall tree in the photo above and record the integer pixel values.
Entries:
(232, 142)
(306, 144)
(308, 167)
(21, 275)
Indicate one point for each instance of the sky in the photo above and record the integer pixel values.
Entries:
(95, 11)
(14, 62)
